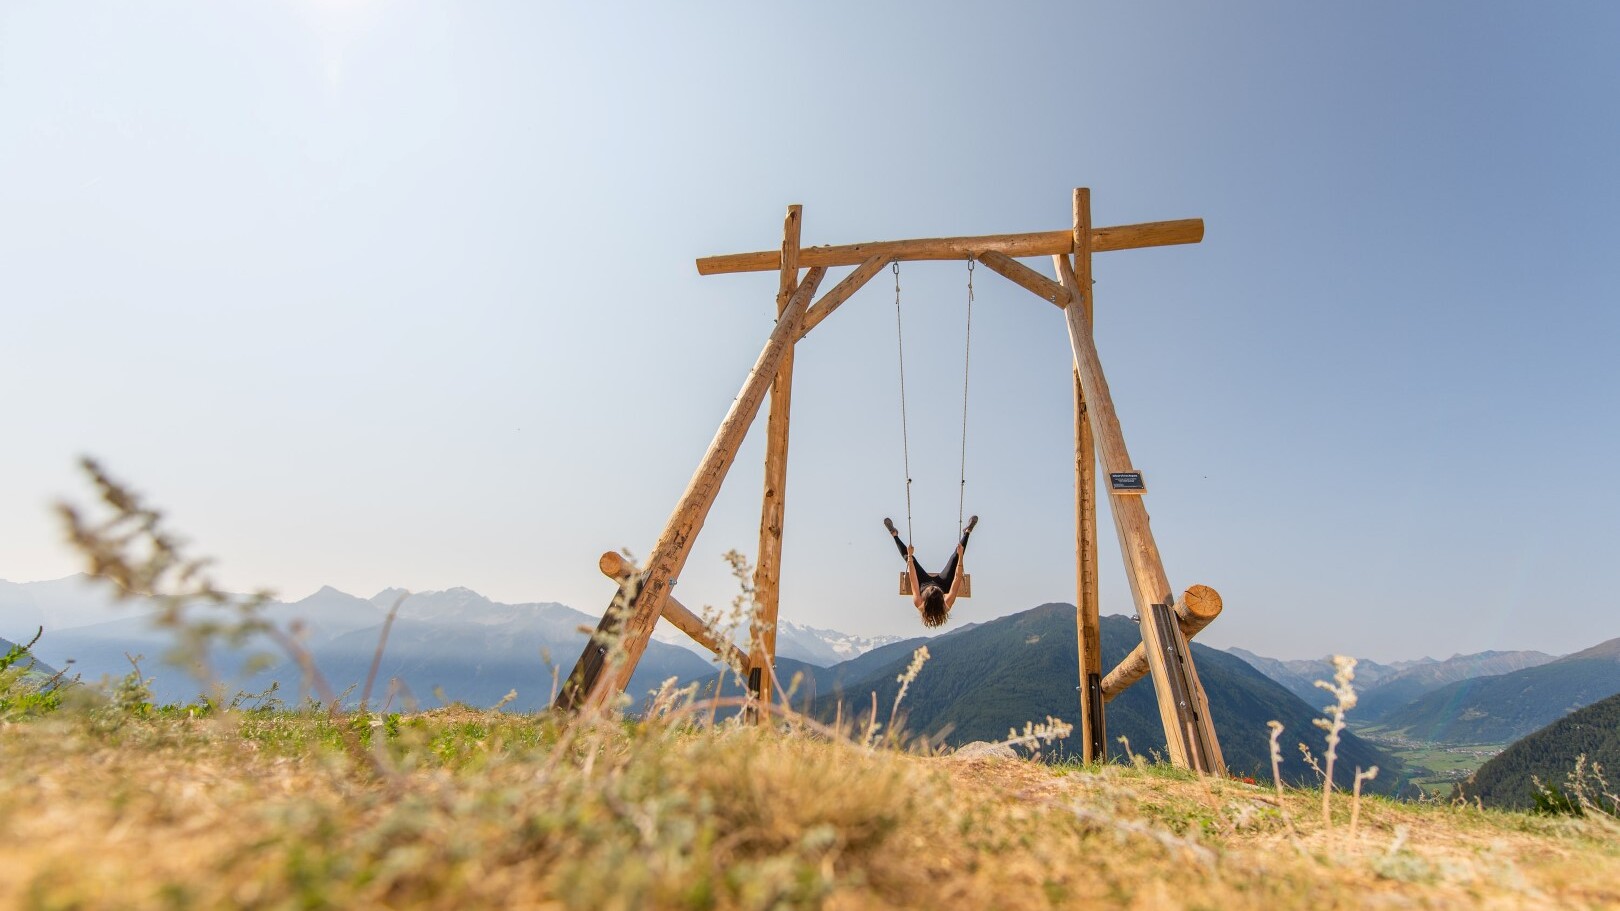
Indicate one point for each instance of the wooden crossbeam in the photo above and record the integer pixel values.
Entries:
(1038, 243)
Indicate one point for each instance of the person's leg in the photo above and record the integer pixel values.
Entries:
(904, 553)
(948, 574)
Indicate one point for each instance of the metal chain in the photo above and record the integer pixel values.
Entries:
(967, 349)
(905, 431)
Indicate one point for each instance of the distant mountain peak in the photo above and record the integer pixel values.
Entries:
(389, 596)
(1609, 649)
(811, 645)
(327, 591)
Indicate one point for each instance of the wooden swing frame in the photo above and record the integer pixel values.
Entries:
(1167, 623)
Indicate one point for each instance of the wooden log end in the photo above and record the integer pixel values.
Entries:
(615, 566)
(1202, 602)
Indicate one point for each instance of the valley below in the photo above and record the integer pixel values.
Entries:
(1434, 768)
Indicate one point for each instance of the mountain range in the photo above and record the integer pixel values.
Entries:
(808, 644)
(457, 645)
(1299, 675)
(455, 642)
(1402, 687)
(1383, 688)
(1504, 707)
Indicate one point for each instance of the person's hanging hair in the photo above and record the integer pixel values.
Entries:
(934, 610)
(934, 595)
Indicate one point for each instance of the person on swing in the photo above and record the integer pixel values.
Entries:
(934, 595)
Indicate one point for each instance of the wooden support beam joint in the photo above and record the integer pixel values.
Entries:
(1196, 609)
(1025, 277)
(617, 568)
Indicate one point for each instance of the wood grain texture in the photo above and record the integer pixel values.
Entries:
(675, 543)
(1093, 715)
(1037, 243)
(1088, 625)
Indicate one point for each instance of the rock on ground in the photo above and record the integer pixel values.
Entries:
(980, 749)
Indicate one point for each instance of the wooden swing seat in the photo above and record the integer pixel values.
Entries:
(964, 590)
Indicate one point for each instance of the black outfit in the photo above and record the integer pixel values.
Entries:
(946, 576)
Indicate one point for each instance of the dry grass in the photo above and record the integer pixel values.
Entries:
(486, 810)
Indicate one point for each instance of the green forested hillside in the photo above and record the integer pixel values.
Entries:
(997, 675)
(1509, 780)
(1505, 707)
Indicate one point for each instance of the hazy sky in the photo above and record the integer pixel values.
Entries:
(400, 294)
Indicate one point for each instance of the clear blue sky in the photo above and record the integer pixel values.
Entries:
(373, 294)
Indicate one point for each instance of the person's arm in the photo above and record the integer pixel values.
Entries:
(916, 583)
(957, 562)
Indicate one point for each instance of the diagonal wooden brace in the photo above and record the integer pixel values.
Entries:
(1026, 278)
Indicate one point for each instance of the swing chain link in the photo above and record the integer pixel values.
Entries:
(905, 431)
(967, 349)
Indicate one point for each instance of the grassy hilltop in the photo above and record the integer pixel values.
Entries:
(126, 806)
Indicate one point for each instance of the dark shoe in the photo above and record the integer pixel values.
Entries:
(889, 524)
(971, 522)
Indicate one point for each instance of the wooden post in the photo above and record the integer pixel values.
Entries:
(595, 688)
(1182, 708)
(1093, 718)
(1093, 724)
(767, 571)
